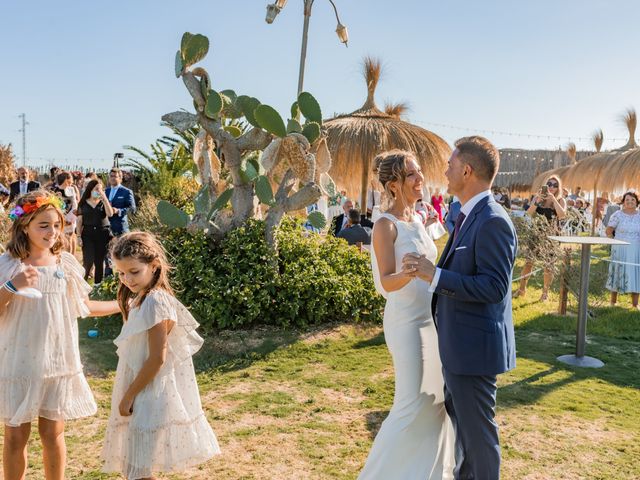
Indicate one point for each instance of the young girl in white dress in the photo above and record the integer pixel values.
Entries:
(41, 374)
(416, 439)
(156, 422)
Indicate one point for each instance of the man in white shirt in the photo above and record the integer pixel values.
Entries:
(471, 306)
(340, 221)
(23, 185)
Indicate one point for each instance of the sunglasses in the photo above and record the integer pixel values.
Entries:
(552, 184)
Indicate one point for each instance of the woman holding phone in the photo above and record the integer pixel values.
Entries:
(550, 204)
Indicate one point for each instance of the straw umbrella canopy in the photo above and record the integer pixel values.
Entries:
(623, 171)
(356, 138)
(559, 172)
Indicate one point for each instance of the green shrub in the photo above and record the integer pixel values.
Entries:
(238, 283)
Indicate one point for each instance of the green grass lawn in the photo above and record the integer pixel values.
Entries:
(307, 404)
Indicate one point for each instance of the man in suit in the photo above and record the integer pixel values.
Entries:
(340, 221)
(122, 201)
(354, 232)
(22, 185)
(452, 214)
(472, 307)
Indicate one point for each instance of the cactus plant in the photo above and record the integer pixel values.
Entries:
(263, 190)
(214, 104)
(317, 220)
(293, 126)
(310, 107)
(295, 110)
(193, 48)
(311, 131)
(179, 66)
(248, 106)
(172, 216)
(285, 178)
(270, 120)
(222, 200)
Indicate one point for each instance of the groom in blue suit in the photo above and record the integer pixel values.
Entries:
(472, 307)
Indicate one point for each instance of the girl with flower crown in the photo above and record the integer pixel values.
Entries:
(42, 295)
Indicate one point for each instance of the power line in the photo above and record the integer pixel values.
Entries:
(514, 134)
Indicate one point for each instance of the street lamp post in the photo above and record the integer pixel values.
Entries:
(274, 9)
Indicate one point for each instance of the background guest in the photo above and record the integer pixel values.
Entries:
(122, 202)
(452, 214)
(53, 175)
(94, 211)
(66, 190)
(354, 232)
(22, 185)
(547, 203)
(438, 203)
(624, 277)
(340, 221)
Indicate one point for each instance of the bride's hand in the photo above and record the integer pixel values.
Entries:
(418, 265)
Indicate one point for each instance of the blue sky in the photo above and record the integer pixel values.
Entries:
(93, 76)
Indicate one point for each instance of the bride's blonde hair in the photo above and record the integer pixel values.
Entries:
(391, 166)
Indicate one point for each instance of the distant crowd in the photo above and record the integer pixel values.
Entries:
(93, 215)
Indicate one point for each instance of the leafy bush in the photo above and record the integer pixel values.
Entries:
(238, 282)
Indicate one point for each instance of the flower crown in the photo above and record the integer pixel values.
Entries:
(30, 207)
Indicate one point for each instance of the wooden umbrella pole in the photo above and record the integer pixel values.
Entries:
(594, 209)
(364, 186)
(564, 283)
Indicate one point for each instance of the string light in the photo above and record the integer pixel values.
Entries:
(514, 134)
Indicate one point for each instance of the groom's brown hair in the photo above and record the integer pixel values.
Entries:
(481, 154)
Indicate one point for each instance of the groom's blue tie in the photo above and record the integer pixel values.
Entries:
(459, 219)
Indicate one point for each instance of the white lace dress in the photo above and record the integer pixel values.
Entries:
(415, 441)
(40, 370)
(168, 430)
(624, 277)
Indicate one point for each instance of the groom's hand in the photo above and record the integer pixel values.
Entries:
(418, 265)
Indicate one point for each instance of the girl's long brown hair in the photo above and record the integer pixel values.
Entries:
(145, 248)
(18, 246)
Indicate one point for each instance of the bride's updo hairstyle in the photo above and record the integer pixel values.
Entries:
(391, 166)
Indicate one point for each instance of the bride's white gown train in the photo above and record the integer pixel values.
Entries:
(416, 440)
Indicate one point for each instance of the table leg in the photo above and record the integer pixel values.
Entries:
(580, 359)
(583, 306)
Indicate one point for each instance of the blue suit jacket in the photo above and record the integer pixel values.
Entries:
(472, 301)
(124, 201)
(450, 220)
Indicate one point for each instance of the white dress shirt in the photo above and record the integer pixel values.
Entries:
(112, 192)
(465, 209)
(24, 187)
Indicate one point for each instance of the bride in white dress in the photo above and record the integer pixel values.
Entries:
(415, 441)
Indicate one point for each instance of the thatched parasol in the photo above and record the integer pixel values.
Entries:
(623, 172)
(539, 180)
(355, 139)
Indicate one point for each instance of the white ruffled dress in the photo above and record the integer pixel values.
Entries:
(40, 370)
(168, 430)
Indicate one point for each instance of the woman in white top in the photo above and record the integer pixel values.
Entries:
(624, 270)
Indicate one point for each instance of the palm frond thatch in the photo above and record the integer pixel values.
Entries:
(541, 178)
(355, 139)
(623, 172)
(588, 171)
(630, 119)
(396, 110)
(571, 152)
(598, 139)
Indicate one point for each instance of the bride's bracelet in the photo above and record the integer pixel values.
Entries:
(10, 287)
